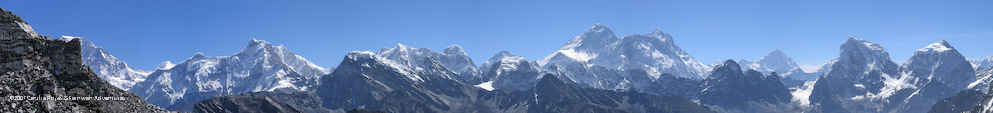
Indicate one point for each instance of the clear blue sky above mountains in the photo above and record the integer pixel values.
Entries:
(145, 33)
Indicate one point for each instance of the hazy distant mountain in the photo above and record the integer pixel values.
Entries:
(779, 62)
(983, 63)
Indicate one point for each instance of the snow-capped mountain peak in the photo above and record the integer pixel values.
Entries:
(511, 72)
(263, 49)
(939, 46)
(454, 49)
(503, 55)
(165, 65)
(942, 63)
(859, 49)
(583, 47)
(260, 66)
(600, 28)
(108, 67)
(424, 59)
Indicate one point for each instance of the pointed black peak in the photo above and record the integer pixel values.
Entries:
(455, 49)
(7, 16)
(943, 42)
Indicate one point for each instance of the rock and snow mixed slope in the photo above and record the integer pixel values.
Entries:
(38, 66)
(862, 69)
(261, 66)
(863, 79)
(107, 66)
(936, 71)
(508, 71)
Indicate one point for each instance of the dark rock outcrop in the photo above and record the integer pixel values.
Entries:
(36, 66)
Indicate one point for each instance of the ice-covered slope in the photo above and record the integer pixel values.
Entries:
(107, 66)
(261, 66)
(453, 58)
(654, 52)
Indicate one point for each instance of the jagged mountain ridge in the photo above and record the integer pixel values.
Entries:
(863, 79)
(369, 81)
(453, 58)
(261, 66)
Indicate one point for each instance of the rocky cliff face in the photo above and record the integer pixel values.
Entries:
(37, 66)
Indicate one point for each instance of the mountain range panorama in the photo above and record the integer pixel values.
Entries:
(596, 71)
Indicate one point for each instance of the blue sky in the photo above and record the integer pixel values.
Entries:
(145, 33)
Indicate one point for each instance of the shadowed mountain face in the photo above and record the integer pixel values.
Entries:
(37, 66)
(731, 88)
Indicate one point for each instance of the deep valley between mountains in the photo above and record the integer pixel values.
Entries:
(596, 71)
